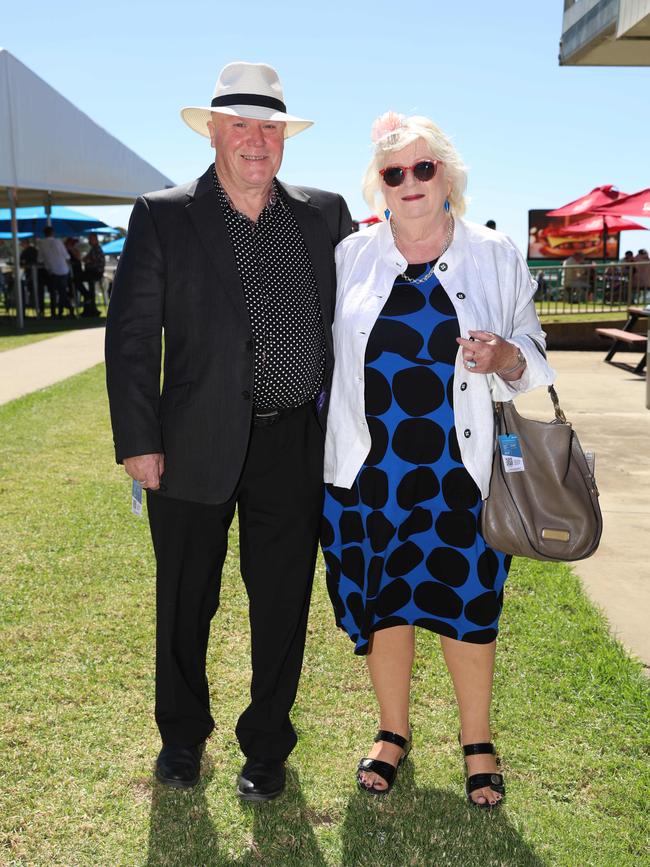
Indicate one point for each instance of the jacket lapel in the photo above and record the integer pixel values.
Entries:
(316, 236)
(207, 219)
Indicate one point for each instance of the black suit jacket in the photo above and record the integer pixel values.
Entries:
(178, 273)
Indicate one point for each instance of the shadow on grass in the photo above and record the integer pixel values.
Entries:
(412, 827)
(47, 325)
(182, 834)
(431, 827)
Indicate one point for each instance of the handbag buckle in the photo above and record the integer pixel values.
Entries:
(552, 535)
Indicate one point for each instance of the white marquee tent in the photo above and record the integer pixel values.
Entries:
(51, 153)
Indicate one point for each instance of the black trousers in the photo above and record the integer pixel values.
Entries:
(279, 500)
(92, 278)
(59, 300)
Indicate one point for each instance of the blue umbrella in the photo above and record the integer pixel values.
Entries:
(6, 235)
(114, 247)
(64, 220)
(106, 230)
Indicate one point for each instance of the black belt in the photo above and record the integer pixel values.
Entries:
(266, 417)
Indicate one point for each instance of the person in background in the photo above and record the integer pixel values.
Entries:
(29, 265)
(575, 277)
(642, 277)
(76, 285)
(434, 320)
(627, 277)
(95, 262)
(56, 260)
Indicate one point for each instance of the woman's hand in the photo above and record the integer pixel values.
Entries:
(486, 352)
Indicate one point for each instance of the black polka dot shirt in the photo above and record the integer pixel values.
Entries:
(282, 299)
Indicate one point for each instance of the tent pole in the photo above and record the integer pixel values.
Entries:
(48, 209)
(18, 289)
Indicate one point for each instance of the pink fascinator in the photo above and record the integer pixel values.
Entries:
(386, 125)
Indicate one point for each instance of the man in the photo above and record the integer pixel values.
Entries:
(56, 261)
(641, 283)
(29, 265)
(575, 277)
(95, 262)
(238, 269)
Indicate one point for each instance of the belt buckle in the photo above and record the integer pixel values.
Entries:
(264, 419)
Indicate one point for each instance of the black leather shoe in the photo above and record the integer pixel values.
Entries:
(178, 766)
(261, 781)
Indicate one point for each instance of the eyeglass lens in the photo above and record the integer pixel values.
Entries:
(423, 171)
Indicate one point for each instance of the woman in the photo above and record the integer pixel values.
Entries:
(434, 320)
(76, 283)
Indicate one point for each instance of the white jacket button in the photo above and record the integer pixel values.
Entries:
(443, 266)
(460, 295)
(463, 386)
(467, 433)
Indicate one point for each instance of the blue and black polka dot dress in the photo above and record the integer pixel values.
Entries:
(403, 545)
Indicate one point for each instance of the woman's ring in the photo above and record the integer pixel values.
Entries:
(470, 365)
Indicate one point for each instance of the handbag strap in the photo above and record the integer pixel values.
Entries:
(559, 414)
(557, 409)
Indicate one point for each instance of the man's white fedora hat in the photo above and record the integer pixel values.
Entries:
(246, 90)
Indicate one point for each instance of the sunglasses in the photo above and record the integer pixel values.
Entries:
(395, 175)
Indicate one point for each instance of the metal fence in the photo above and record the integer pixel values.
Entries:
(608, 287)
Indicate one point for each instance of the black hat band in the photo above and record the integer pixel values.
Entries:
(249, 99)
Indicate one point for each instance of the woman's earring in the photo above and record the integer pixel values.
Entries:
(387, 213)
(447, 205)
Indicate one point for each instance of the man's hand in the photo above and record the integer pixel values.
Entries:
(146, 469)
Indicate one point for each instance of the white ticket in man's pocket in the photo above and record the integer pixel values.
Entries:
(136, 498)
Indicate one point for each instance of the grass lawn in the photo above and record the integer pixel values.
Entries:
(77, 738)
(40, 329)
(584, 317)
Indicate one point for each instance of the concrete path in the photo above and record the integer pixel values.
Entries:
(606, 406)
(40, 364)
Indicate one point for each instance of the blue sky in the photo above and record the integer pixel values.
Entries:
(534, 134)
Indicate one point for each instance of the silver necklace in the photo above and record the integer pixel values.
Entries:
(448, 239)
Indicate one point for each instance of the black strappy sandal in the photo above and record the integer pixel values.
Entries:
(385, 770)
(480, 781)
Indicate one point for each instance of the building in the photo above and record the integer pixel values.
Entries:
(605, 33)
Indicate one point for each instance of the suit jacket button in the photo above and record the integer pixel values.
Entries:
(246, 395)
(467, 433)
(460, 295)
(443, 266)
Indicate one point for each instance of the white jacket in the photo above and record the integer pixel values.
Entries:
(487, 281)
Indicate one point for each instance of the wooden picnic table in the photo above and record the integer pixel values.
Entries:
(628, 335)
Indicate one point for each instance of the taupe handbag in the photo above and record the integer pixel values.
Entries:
(549, 509)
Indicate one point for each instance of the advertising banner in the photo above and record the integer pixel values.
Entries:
(546, 242)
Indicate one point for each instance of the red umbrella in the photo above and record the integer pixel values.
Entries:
(636, 205)
(598, 197)
(599, 223)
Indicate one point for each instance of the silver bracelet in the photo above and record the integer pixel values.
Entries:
(521, 362)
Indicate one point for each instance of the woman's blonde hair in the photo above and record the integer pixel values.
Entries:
(391, 132)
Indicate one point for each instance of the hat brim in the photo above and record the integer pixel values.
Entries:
(197, 117)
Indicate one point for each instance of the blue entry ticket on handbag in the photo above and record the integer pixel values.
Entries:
(510, 447)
